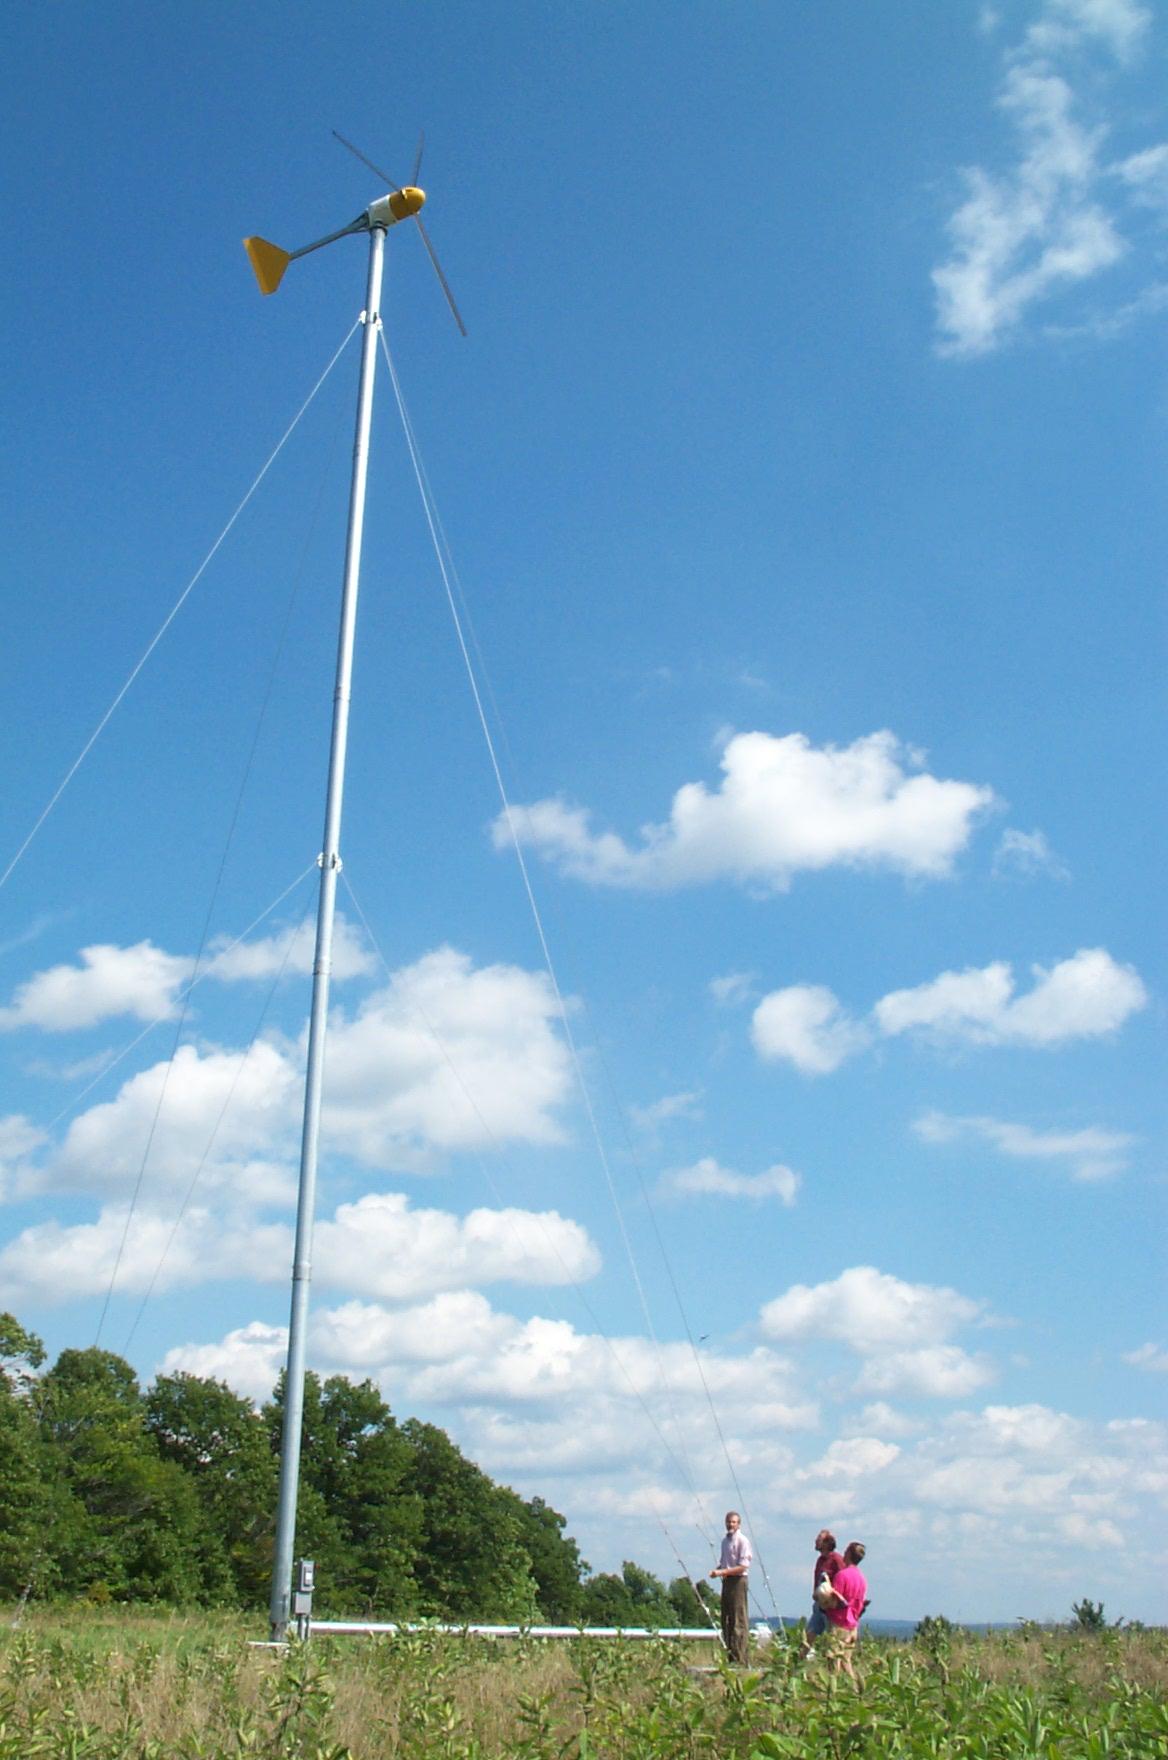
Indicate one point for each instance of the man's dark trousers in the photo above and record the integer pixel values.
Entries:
(735, 1620)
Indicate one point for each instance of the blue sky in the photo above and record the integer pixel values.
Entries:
(804, 474)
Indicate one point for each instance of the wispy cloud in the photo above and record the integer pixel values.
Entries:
(1053, 219)
(33, 933)
(1152, 1357)
(707, 1178)
(658, 1112)
(1087, 1154)
(1027, 855)
(732, 989)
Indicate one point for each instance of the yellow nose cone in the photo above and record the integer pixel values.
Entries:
(406, 202)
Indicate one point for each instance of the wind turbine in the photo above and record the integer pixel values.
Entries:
(403, 202)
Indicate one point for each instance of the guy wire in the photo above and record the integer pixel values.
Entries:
(172, 614)
(493, 1187)
(445, 571)
(223, 1110)
(229, 839)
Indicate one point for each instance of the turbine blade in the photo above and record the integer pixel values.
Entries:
(438, 271)
(418, 157)
(358, 154)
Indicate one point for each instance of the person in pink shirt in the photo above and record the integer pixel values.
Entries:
(733, 1567)
(848, 1603)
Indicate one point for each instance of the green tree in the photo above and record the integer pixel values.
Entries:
(21, 1354)
(359, 1517)
(1089, 1615)
(647, 1594)
(471, 1561)
(694, 1604)
(635, 1598)
(222, 1444)
(553, 1560)
(365, 1478)
(32, 1497)
(137, 1530)
(605, 1601)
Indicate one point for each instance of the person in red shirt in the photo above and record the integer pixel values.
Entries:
(827, 1563)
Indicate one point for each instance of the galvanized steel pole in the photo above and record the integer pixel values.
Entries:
(330, 863)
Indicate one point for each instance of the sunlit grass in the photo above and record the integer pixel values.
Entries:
(82, 1684)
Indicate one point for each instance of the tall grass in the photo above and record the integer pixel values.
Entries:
(130, 1686)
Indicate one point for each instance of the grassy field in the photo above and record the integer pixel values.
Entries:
(119, 1685)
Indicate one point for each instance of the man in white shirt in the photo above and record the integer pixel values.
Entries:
(733, 1567)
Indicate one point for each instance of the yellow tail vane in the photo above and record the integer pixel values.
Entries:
(268, 261)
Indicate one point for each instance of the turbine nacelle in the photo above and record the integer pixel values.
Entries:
(399, 204)
(270, 260)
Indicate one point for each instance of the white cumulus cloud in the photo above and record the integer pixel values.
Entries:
(20, 1140)
(289, 951)
(805, 1025)
(856, 1458)
(942, 1371)
(381, 1247)
(1085, 996)
(365, 1337)
(617, 1388)
(376, 1246)
(783, 807)
(536, 1396)
(49, 1262)
(868, 1310)
(146, 983)
(229, 1118)
(447, 1056)
(617, 1433)
(141, 981)
(249, 1359)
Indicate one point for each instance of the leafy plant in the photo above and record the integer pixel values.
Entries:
(1089, 1615)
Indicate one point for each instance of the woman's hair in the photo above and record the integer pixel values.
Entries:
(828, 1538)
(855, 1552)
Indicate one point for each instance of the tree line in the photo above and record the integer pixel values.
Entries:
(167, 1494)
